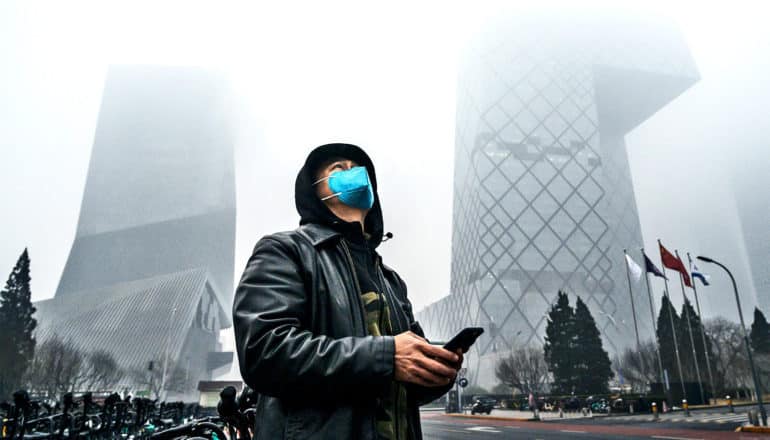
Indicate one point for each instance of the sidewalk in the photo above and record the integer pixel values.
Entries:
(510, 414)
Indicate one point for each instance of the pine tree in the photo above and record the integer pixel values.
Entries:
(559, 345)
(683, 338)
(665, 336)
(592, 363)
(685, 348)
(760, 333)
(17, 343)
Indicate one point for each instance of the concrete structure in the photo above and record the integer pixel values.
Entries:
(750, 180)
(543, 197)
(149, 276)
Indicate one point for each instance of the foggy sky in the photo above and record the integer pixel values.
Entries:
(383, 78)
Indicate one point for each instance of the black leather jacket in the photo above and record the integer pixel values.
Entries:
(302, 341)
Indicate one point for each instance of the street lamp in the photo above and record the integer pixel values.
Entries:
(757, 387)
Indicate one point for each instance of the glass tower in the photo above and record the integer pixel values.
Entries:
(543, 197)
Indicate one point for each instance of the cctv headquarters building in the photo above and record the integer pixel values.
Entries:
(543, 196)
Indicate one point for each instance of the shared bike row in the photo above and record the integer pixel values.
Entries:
(116, 418)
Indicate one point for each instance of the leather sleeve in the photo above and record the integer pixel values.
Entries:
(278, 355)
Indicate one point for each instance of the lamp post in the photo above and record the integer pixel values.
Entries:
(757, 387)
(165, 357)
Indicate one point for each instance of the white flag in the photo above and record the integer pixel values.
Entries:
(634, 268)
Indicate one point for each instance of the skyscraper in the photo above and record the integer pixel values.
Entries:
(149, 276)
(749, 181)
(543, 197)
(160, 192)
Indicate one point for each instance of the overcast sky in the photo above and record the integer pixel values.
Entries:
(383, 78)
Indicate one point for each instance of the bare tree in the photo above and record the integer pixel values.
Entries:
(55, 368)
(731, 369)
(177, 378)
(59, 367)
(639, 368)
(99, 371)
(149, 377)
(524, 370)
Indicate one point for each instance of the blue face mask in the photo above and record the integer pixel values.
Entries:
(352, 187)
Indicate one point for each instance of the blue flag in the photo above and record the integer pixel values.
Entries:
(651, 268)
(700, 275)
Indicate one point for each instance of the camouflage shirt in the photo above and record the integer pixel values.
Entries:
(391, 407)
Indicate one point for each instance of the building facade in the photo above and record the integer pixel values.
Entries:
(543, 196)
(150, 273)
(749, 180)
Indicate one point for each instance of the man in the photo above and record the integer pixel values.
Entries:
(324, 331)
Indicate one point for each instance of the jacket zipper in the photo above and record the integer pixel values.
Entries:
(358, 285)
(363, 311)
(396, 385)
(392, 299)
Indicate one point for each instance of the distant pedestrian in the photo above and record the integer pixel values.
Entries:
(533, 405)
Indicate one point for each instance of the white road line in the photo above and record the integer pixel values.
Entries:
(573, 432)
(675, 438)
(482, 429)
(450, 430)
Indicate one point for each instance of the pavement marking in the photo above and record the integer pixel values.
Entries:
(573, 432)
(675, 438)
(482, 429)
(450, 430)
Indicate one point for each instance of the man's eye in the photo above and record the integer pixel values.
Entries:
(337, 165)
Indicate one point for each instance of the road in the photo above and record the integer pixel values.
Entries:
(437, 425)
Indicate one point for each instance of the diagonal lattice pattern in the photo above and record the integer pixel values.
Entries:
(543, 197)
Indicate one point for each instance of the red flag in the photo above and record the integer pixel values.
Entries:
(673, 262)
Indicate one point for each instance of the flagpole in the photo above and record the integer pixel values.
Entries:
(689, 330)
(702, 331)
(633, 307)
(655, 330)
(673, 327)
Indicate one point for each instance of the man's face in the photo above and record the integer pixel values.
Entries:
(326, 169)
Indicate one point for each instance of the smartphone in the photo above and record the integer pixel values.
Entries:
(464, 339)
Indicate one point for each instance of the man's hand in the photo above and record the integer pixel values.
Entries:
(424, 364)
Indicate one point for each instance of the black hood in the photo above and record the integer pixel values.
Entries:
(312, 210)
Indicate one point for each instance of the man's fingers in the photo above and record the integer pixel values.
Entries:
(426, 378)
(439, 353)
(435, 367)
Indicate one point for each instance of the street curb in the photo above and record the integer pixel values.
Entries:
(754, 429)
(496, 418)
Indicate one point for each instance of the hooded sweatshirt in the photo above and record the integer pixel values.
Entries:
(312, 210)
(392, 406)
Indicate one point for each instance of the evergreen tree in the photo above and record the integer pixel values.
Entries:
(559, 345)
(760, 333)
(17, 344)
(685, 348)
(665, 336)
(683, 338)
(592, 363)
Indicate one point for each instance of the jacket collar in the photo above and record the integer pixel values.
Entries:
(318, 233)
